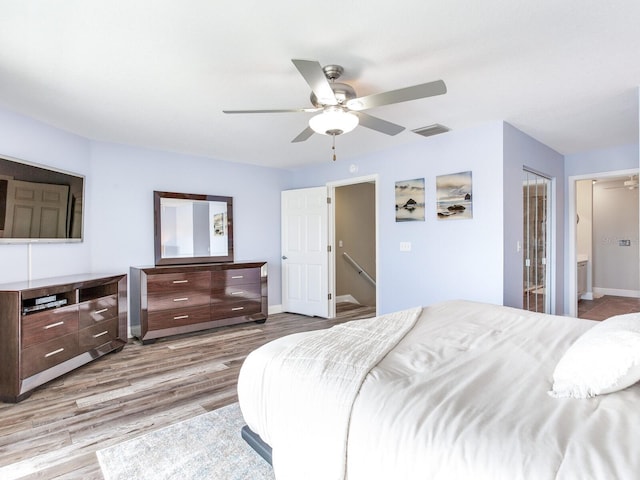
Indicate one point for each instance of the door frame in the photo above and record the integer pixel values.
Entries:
(331, 191)
(572, 259)
(551, 239)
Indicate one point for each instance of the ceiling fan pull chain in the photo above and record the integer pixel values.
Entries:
(333, 147)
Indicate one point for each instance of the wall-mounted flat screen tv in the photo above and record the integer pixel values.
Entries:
(39, 203)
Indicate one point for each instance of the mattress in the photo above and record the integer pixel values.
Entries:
(463, 394)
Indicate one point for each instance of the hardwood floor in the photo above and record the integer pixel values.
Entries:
(56, 432)
(607, 306)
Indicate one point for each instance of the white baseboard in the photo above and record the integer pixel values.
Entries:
(597, 291)
(346, 298)
(275, 309)
(587, 296)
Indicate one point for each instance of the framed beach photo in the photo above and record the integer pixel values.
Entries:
(410, 200)
(454, 198)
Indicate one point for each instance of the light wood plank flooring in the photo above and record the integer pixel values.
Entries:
(56, 432)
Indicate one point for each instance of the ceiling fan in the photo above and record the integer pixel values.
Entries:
(340, 110)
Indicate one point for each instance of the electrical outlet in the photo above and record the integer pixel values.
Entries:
(405, 246)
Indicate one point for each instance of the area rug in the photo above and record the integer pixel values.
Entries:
(208, 446)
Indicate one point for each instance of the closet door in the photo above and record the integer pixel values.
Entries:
(536, 247)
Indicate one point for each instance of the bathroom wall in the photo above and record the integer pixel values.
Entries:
(615, 240)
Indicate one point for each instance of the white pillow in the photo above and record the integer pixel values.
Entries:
(604, 359)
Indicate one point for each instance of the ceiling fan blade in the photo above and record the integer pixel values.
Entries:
(309, 110)
(378, 124)
(303, 135)
(315, 77)
(396, 96)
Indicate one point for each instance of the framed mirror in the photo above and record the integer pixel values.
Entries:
(192, 228)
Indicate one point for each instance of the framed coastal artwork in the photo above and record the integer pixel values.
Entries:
(410, 200)
(454, 198)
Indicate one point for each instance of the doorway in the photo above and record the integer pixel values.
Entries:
(605, 245)
(584, 245)
(354, 222)
(312, 253)
(536, 246)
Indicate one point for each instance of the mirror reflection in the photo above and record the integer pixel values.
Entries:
(193, 228)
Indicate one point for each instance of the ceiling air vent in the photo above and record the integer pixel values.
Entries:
(430, 130)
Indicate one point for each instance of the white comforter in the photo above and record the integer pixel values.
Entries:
(464, 395)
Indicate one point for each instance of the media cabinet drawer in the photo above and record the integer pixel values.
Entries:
(44, 355)
(98, 310)
(43, 326)
(235, 276)
(178, 317)
(98, 334)
(173, 283)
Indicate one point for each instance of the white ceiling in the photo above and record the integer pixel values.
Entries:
(158, 73)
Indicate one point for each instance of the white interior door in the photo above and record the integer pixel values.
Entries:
(305, 256)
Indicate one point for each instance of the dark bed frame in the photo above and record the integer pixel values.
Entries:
(255, 442)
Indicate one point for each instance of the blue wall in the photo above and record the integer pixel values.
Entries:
(449, 258)
(521, 151)
(30, 140)
(120, 180)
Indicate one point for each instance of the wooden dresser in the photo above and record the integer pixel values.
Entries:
(51, 326)
(169, 300)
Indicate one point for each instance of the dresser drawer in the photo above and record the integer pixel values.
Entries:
(178, 300)
(225, 309)
(177, 317)
(235, 293)
(178, 290)
(98, 310)
(235, 276)
(44, 355)
(97, 334)
(43, 326)
(170, 283)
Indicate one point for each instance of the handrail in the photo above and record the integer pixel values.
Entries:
(360, 270)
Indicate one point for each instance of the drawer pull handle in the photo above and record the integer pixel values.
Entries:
(240, 292)
(57, 324)
(181, 317)
(237, 308)
(180, 281)
(183, 299)
(98, 312)
(237, 276)
(101, 334)
(54, 352)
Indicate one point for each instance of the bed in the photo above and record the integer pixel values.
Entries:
(455, 390)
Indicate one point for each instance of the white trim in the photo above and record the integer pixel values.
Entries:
(331, 191)
(571, 260)
(275, 309)
(347, 299)
(598, 292)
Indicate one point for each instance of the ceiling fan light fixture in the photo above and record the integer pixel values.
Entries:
(333, 121)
